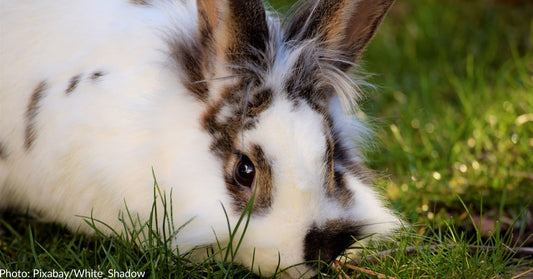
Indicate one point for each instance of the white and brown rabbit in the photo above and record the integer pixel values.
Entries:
(218, 97)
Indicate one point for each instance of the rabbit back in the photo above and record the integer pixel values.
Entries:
(89, 96)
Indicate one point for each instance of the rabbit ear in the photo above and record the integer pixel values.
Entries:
(344, 26)
(236, 30)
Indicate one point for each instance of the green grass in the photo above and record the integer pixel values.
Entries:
(454, 119)
(456, 86)
(145, 249)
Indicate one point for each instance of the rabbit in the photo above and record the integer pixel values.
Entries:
(223, 100)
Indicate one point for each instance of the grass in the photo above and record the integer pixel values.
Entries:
(145, 249)
(456, 90)
(454, 115)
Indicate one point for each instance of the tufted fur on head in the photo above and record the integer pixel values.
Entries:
(222, 99)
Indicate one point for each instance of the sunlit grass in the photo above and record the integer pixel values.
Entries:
(454, 106)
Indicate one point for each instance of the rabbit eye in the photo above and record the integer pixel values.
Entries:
(244, 171)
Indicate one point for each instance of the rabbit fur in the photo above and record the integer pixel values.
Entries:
(221, 99)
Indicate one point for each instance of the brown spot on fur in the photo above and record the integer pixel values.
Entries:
(96, 75)
(225, 130)
(336, 183)
(341, 190)
(247, 31)
(31, 112)
(208, 17)
(222, 133)
(306, 82)
(259, 103)
(193, 62)
(140, 2)
(194, 58)
(311, 20)
(3, 151)
(343, 157)
(263, 179)
(73, 83)
(330, 167)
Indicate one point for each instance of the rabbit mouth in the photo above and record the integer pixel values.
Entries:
(327, 242)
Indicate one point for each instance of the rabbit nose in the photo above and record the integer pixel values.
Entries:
(327, 242)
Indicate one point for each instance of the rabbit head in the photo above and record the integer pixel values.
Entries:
(277, 93)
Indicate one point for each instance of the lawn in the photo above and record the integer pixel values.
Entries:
(453, 115)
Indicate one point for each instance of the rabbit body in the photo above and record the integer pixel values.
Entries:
(97, 94)
(94, 147)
